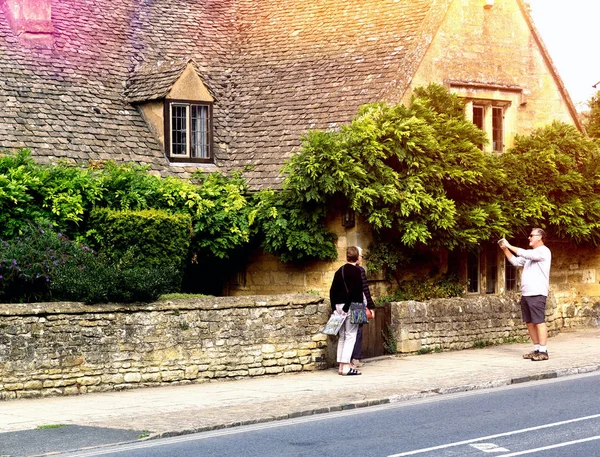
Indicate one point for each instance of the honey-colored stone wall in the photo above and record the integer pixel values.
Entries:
(460, 323)
(266, 274)
(51, 349)
(575, 283)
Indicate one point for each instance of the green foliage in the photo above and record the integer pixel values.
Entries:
(390, 344)
(217, 204)
(415, 174)
(65, 195)
(151, 237)
(292, 230)
(418, 177)
(178, 295)
(42, 265)
(482, 344)
(30, 261)
(221, 217)
(60, 194)
(555, 184)
(98, 280)
(386, 254)
(446, 286)
(592, 121)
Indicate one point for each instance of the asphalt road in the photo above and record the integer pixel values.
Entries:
(554, 418)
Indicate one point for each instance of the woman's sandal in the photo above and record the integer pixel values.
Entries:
(351, 372)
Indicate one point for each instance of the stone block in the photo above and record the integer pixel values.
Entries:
(33, 385)
(409, 346)
(175, 375)
(191, 372)
(132, 377)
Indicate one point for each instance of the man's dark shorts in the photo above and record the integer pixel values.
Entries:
(533, 309)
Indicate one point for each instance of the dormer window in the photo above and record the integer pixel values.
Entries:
(178, 108)
(188, 135)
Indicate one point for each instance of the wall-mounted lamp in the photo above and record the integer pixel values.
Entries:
(348, 218)
(488, 4)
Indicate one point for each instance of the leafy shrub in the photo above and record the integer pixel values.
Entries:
(29, 262)
(151, 237)
(42, 265)
(97, 280)
(29, 191)
(446, 286)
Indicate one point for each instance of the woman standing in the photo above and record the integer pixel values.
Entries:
(346, 288)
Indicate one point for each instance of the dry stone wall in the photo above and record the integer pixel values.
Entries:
(460, 323)
(49, 349)
(70, 348)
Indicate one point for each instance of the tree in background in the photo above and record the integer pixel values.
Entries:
(592, 121)
(554, 183)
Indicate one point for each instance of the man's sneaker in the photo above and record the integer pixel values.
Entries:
(531, 355)
(540, 356)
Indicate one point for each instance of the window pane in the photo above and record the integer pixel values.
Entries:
(510, 276)
(473, 272)
(491, 269)
(199, 131)
(497, 133)
(478, 116)
(478, 120)
(178, 130)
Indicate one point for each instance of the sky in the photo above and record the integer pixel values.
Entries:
(570, 30)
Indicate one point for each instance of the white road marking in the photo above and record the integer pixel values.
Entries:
(491, 437)
(489, 447)
(553, 446)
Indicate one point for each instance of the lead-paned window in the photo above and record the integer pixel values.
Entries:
(497, 129)
(189, 136)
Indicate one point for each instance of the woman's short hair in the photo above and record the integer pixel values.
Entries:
(351, 253)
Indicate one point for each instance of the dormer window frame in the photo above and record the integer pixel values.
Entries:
(188, 105)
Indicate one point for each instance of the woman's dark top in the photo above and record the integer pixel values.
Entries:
(337, 293)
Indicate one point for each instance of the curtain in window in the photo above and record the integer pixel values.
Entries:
(199, 132)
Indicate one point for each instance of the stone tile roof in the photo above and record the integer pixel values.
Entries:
(276, 68)
(311, 64)
(153, 80)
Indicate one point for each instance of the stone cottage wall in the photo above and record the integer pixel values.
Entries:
(70, 348)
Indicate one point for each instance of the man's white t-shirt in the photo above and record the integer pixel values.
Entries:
(536, 270)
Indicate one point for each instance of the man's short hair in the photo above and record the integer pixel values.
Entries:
(540, 231)
(352, 254)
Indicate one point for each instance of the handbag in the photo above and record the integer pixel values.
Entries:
(333, 325)
(358, 313)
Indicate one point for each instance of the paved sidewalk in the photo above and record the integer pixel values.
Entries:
(173, 410)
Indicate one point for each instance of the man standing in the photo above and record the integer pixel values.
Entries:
(534, 288)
